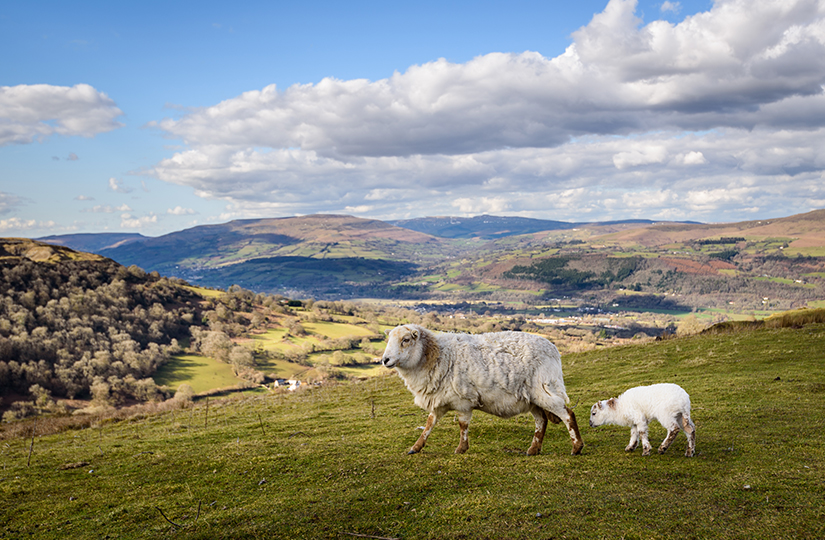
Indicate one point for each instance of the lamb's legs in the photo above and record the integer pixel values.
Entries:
(432, 420)
(672, 431)
(634, 439)
(464, 432)
(690, 432)
(645, 442)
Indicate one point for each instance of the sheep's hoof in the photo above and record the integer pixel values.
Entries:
(629, 448)
(412, 451)
(533, 451)
(577, 449)
(662, 450)
(646, 453)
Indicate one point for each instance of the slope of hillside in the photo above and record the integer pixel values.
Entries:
(331, 462)
(71, 322)
(804, 232)
(317, 236)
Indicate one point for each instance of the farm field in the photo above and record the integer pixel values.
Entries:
(331, 462)
(199, 372)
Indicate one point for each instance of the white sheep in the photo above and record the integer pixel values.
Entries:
(667, 403)
(501, 373)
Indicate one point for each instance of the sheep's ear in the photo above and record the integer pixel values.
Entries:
(611, 403)
(414, 333)
(387, 332)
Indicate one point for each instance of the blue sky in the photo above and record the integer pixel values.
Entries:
(152, 117)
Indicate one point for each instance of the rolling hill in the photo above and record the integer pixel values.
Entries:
(776, 263)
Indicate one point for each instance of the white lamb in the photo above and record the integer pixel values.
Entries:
(667, 403)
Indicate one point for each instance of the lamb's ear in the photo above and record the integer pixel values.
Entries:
(414, 333)
(387, 332)
(611, 403)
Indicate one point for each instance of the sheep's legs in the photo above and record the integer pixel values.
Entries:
(541, 418)
(464, 432)
(573, 430)
(432, 419)
(555, 411)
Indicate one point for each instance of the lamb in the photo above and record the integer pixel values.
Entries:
(500, 373)
(667, 403)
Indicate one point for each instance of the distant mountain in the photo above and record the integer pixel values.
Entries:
(335, 256)
(318, 254)
(93, 242)
(493, 227)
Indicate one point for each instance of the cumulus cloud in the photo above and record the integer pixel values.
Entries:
(128, 221)
(118, 186)
(733, 95)
(180, 211)
(16, 225)
(31, 113)
(108, 209)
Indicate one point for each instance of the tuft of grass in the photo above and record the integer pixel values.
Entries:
(331, 462)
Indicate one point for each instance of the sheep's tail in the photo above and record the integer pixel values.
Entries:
(551, 394)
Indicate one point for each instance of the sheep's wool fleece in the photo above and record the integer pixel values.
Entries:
(498, 372)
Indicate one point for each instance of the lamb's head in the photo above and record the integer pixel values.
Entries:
(405, 347)
(602, 412)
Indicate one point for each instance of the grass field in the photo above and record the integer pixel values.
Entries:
(330, 462)
(199, 372)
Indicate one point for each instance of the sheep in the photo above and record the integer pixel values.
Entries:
(667, 403)
(500, 373)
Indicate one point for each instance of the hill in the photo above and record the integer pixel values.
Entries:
(743, 267)
(75, 324)
(492, 227)
(330, 462)
(93, 242)
(324, 255)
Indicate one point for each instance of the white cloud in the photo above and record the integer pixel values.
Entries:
(127, 221)
(180, 211)
(694, 158)
(9, 202)
(736, 93)
(72, 157)
(674, 7)
(118, 186)
(19, 225)
(107, 209)
(84, 198)
(31, 113)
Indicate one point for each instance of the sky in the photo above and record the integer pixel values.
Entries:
(152, 117)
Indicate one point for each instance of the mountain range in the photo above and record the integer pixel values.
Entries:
(337, 256)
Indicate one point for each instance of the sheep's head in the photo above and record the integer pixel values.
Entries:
(403, 347)
(600, 412)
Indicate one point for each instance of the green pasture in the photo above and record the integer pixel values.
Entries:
(331, 461)
(199, 372)
(206, 293)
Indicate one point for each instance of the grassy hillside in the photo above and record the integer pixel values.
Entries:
(330, 462)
